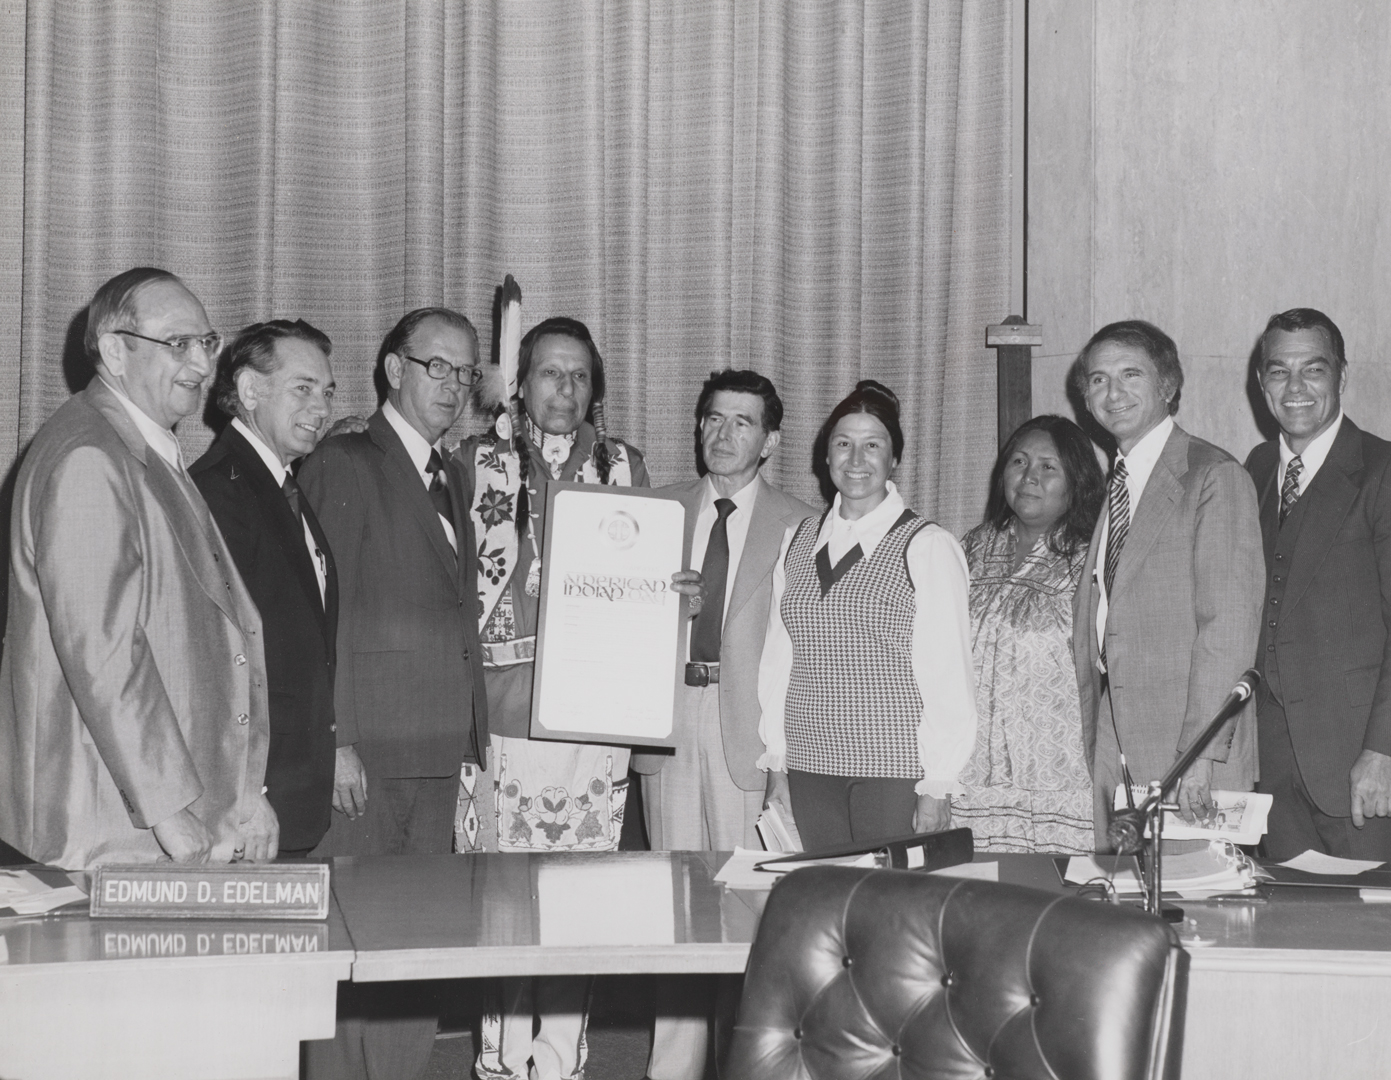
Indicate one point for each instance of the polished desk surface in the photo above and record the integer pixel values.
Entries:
(413, 917)
(154, 998)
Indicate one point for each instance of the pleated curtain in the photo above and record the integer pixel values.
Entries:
(815, 189)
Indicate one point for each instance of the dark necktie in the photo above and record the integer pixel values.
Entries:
(714, 572)
(1119, 522)
(292, 495)
(439, 487)
(1289, 490)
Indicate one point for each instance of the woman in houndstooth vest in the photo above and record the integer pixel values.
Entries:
(866, 683)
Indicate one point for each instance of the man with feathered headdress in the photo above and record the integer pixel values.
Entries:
(551, 796)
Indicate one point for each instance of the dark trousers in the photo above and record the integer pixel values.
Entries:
(386, 1031)
(836, 810)
(1296, 824)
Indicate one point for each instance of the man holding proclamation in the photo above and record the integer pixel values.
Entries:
(708, 794)
(1167, 616)
(1324, 708)
(276, 387)
(133, 720)
(550, 796)
(408, 695)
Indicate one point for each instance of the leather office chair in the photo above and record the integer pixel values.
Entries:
(888, 973)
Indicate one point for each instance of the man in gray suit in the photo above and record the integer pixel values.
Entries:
(133, 716)
(707, 795)
(1168, 612)
(1324, 710)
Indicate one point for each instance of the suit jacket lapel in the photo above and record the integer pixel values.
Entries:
(761, 546)
(1162, 493)
(271, 496)
(1268, 499)
(191, 524)
(401, 471)
(1327, 501)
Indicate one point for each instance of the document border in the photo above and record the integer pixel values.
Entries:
(539, 730)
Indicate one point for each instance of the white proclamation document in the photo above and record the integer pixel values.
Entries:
(611, 629)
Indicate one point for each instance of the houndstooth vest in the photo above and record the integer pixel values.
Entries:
(853, 706)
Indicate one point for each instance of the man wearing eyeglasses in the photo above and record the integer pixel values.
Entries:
(133, 718)
(408, 691)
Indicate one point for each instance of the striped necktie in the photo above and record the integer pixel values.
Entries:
(1118, 521)
(1289, 490)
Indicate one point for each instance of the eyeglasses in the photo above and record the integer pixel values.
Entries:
(211, 344)
(442, 369)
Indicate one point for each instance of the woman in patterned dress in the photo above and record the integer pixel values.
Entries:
(1027, 784)
(868, 707)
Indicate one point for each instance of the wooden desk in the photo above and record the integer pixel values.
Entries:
(145, 999)
(1297, 987)
(444, 917)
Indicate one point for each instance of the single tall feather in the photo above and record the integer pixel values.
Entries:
(509, 359)
(510, 348)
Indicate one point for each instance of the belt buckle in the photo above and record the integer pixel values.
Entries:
(697, 674)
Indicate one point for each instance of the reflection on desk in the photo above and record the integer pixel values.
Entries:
(436, 917)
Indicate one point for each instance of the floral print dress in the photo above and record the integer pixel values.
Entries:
(1027, 783)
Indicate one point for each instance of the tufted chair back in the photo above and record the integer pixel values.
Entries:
(889, 973)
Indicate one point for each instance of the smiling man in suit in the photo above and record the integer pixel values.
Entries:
(276, 386)
(132, 692)
(408, 697)
(1324, 709)
(707, 795)
(1167, 616)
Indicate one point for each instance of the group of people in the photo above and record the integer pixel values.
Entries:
(324, 645)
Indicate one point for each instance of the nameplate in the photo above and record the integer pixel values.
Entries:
(251, 891)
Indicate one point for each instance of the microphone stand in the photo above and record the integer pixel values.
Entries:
(1150, 813)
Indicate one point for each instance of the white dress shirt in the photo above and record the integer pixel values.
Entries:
(419, 452)
(941, 647)
(1311, 457)
(159, 439)
(1139, 464)
(278, 473)
(736, 526)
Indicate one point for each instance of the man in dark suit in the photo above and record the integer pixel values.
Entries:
(707, 795)
(409, 696)
(1167, 615)
(276, 386)
(1324, 709)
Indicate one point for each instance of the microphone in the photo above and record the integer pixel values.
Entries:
(1127, 828)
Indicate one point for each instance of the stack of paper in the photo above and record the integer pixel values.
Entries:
(1194, 875)
(1240, 817)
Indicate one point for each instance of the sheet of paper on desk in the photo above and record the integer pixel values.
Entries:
(1316, 862)
(616, 903)
(25, 894)
(739, 870)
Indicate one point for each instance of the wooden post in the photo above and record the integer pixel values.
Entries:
(1013, 341)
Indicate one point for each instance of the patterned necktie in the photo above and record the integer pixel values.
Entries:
(439, 486)
(1289, 490)
(1119, 521)
(291, 490)
(714, 572)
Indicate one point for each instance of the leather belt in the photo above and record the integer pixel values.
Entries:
(702, 674)
(503, 654)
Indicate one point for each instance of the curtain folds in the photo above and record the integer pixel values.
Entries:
(814, 188)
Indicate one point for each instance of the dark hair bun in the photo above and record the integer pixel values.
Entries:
(874, 388)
